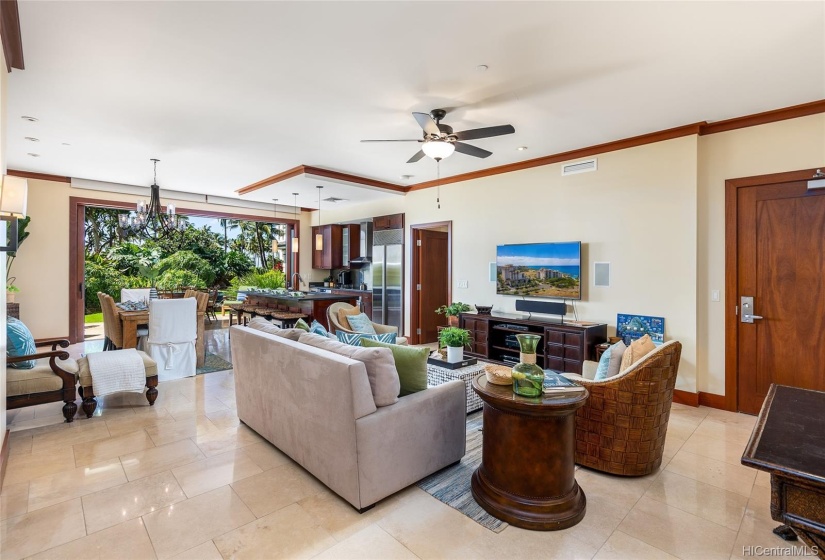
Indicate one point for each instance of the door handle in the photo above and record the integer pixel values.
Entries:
(747, 310)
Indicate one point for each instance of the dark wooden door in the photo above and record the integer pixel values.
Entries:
(781, 264)
(433, 263)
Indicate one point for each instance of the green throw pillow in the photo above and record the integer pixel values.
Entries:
(301, 324)
(411, 363)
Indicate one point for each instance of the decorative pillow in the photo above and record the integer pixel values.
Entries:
(604, 364)
(301, 324)
(411, 363)
(379, 362)
(361, 323)
(610, 362)
(616, 354)
(261, 324)
(344, 314)
(20, 342)
(354, 339)
(318, 328)
(637, 349)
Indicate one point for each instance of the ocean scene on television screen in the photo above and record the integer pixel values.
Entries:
(630, 327)
(539, 270)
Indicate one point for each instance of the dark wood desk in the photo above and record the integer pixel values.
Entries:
(526, 476)
(788, 442)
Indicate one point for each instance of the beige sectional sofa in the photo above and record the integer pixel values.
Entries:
(317, 407)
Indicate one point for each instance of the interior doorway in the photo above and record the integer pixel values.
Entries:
(775, 297)
(431, 278)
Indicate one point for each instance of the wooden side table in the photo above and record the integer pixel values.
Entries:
(526, 476)
(600, 349)
(788, 442)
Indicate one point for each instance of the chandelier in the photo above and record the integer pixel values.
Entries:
(150, 220)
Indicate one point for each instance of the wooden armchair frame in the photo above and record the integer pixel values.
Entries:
(68, 394)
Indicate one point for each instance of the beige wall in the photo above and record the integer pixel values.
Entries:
(772, 148)
(655, 212)
(638, 212)
(42, 267)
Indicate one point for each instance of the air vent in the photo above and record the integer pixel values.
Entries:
(334, 199)
(579, 167)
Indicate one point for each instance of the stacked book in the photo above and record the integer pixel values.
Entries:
(554, 382)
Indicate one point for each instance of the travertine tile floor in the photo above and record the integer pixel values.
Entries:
(184, 479)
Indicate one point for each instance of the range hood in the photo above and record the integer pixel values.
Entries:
(365, 246)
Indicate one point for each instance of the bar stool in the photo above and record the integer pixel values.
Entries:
(285, 319)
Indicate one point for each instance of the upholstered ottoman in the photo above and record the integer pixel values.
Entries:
(87, 393)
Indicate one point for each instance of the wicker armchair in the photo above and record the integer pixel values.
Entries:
(622, 427)
(335, 325)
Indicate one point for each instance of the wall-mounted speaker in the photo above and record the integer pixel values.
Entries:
(601, 274)
(548, 307)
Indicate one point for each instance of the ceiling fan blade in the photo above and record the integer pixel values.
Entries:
(486, 132)
(469, 150)
(404, 140)
(426, 122)
(418, 155)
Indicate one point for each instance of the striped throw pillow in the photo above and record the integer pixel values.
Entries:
(354, 339)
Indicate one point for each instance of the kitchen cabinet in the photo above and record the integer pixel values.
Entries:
(330, 256)
(393, 221)
(351, 248)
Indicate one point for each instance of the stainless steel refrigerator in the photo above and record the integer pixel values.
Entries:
(388, 278)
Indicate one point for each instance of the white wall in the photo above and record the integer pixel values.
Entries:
(638, 211)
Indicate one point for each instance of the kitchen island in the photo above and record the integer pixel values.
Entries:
(313, 305)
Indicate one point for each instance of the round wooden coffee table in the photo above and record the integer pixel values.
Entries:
(526, 476)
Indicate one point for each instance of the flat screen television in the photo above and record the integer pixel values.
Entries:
(549, 270)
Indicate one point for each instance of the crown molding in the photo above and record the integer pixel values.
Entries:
(322, 173)
(39, 176)
(633, 142)
(793, 112)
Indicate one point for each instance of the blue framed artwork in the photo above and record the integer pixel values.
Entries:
(630, 327)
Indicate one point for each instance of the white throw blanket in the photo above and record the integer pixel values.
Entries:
(117, 371)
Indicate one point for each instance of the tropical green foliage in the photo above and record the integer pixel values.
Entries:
(22, 234)
(197, 257)
(454, 337)
(271, 279)
(453, 309)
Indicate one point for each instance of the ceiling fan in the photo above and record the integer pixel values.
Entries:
(440, 141)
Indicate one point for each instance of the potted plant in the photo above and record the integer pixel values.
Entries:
(11, 289)
(328, 281)
(452, 311)
(455, 339)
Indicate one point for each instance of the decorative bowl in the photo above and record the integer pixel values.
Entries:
(498, 375)
(484, 309)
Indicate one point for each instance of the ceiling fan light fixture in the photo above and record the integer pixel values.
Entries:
(438, 149)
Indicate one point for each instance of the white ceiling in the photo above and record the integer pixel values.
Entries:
(228, 93)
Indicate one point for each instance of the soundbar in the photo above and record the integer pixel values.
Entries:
(548, 307)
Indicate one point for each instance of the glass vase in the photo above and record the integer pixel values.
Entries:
(528, 378)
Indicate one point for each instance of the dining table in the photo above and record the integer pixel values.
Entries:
(130, 320)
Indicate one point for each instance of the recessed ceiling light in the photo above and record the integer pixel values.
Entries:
(34, 155)
(30, 119)
(521, 148)
(32, 139)
(482, 67)
(407, 177)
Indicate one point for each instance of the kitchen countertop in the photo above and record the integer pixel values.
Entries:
(313, 296)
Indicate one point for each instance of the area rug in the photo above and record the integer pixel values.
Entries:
(212, 363)
(451, 485)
